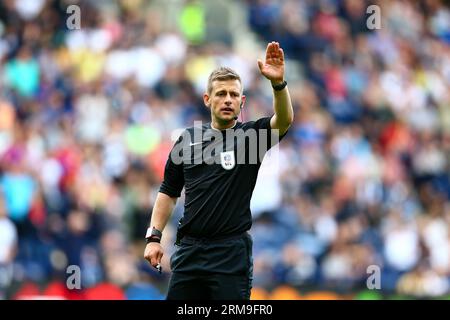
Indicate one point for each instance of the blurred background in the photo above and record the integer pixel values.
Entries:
(88, 116)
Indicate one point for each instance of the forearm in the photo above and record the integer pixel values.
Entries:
(273, 69)
(283, 111)
(162, 210)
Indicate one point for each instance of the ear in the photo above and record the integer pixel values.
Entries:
(243, 101)
(206, 100)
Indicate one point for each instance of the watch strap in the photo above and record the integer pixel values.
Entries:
(280, 86)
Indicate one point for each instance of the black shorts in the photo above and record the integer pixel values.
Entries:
(212, 269)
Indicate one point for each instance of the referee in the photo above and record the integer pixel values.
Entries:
(213, 259)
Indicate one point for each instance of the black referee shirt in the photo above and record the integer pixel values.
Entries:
(218, 169)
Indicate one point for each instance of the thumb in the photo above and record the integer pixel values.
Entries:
(260, 65)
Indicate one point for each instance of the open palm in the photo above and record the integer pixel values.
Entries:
(273, 67)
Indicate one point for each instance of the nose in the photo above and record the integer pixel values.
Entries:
(228, 100)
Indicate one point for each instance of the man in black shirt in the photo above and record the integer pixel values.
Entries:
(217, 163)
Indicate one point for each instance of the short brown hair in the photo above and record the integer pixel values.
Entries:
(222, 74)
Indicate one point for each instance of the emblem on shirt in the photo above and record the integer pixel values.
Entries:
(227, 160)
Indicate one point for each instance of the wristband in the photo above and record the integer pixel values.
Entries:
(153, 235)
(153, 239)
(280, 87)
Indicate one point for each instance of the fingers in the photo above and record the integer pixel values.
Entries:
(281, 53)
(273, 47)
(156, 258)
(276, 53)
(154, 261)
(270, 50)
(153, 255)
(260, 65)
(276, 46)
(273, 52)
(159, 257)
(149, 258)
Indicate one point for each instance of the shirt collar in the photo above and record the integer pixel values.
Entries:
(234, 125)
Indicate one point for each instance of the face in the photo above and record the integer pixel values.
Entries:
(225, 100)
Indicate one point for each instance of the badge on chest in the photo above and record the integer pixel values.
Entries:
(227, 160)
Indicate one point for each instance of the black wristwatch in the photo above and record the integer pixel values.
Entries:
(153, 235)
(280, 86)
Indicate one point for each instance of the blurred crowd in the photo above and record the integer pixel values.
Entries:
(88, 117)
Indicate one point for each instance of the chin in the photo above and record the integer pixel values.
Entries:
(225, 119)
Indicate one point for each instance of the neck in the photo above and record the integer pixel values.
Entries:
(223, 125)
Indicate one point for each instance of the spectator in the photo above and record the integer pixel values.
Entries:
(8, 248)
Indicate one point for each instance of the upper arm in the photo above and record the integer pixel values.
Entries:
(271, 123)
(166, 199)
(273, 136)
(173, 181)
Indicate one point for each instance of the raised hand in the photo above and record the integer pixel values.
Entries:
(273, 67)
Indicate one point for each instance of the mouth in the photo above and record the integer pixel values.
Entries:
(227, 110)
